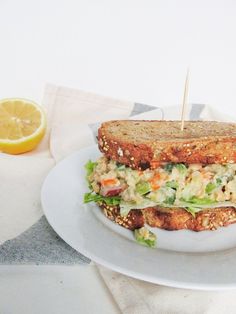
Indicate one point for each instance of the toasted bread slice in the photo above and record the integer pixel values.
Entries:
(169, 219)
(144, 144)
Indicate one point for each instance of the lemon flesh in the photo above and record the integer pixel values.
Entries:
(22, 125)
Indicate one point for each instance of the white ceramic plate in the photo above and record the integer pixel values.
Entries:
(204, 260)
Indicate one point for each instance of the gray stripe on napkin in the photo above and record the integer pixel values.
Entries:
(141, 108)
(40, 244)
(137, 109)
(196, 111)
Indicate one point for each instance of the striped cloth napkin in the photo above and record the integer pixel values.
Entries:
(27, 238)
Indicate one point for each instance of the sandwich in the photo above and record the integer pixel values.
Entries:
(152, 173)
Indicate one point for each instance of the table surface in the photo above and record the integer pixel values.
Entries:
(54, 290)
(130, 49)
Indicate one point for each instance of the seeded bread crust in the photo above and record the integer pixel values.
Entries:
(147, 144)
(169, 219)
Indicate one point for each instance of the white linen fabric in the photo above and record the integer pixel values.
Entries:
(139, 297)
(69, 114)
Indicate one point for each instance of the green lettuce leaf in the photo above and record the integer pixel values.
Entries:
(199, 201)
(126, 207)
(193, 210)
(109, 200)
(214, 204)
(89, 166)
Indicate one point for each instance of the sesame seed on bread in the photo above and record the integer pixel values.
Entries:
(147, 143)
(172, 219)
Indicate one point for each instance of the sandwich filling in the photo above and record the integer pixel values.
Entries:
(194, 187)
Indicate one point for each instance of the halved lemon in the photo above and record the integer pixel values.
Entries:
(22, 125)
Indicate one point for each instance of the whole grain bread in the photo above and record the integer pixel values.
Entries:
(143, 144)
(172, 219)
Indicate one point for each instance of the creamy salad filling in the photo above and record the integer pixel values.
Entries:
(194, 187)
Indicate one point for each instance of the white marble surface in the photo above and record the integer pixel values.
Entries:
(131, 49)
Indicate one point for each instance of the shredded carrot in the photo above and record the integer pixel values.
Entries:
(106, 182)
(140, 172)
(155, 186)
(154, 180)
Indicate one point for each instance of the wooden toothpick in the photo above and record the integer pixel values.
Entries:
(184, 105)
